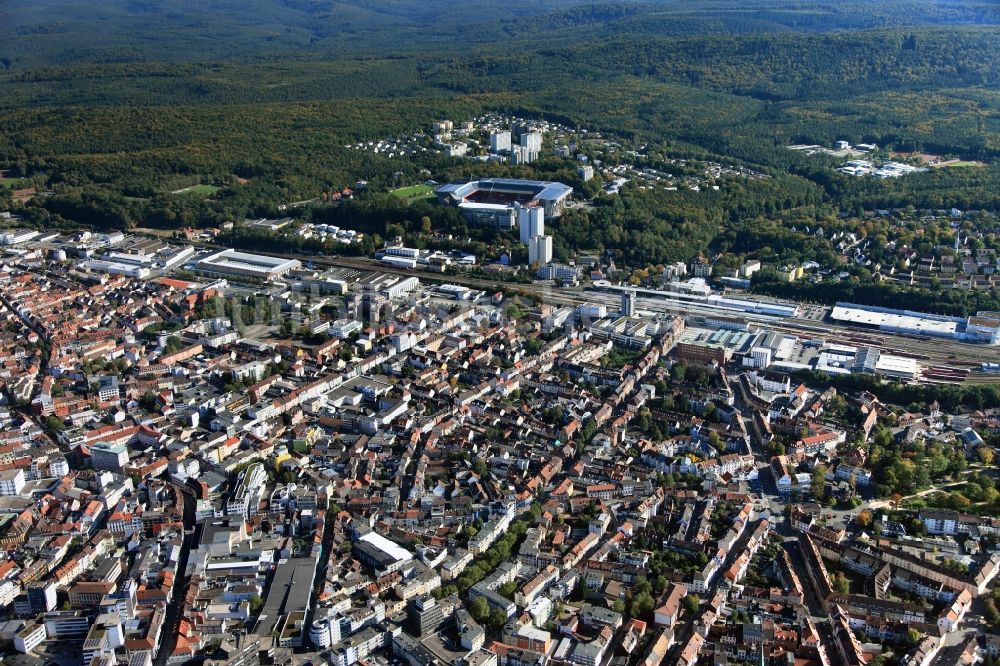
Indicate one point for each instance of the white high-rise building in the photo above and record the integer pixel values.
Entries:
(442, 127)
(324, 632)
(628, 303)
(520, 155)
(530, 222)
(532, 141)
(540, 249)
(499, 141)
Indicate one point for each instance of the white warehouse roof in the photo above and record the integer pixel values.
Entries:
(243, 263)
(387, 546)
(898, 320)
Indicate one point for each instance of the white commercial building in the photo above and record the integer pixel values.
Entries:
(402, 341)
(843, 360)
(108, 456)
(134, 269)
(568, 274)
(17, 236)
(58, 468)
(380, 553)
(30, 637)
(324, 632)
(458, 292)
(897, 367)
(592, 310)
(11, 482)
(404, 286)
(342, 328)
(249, 489)
(358, 647)
(401, 251)
(760, 357)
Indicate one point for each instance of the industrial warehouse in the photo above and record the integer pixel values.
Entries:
(231, 263)
(984, 327)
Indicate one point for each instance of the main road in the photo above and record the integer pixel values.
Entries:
(176, 605)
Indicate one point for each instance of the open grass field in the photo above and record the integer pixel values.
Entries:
(414, 193)
(10, 182)
(149, 231)
(198, 189)
(962, 163)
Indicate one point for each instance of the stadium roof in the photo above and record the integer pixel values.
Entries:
(543, 190)
(483, 206)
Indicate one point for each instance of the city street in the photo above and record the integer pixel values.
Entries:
(171, 622)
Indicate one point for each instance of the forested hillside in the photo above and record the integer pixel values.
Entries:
(47, 32)
(114, 105)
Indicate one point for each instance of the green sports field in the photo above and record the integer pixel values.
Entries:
(414, 192)
(198, 189)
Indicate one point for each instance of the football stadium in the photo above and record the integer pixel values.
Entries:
(494, 201)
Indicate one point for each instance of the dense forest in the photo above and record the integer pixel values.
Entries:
(264, 99)
(36, 33)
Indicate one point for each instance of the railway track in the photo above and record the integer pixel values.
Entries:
(929, 351)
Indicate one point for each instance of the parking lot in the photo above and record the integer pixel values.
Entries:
(810, 311)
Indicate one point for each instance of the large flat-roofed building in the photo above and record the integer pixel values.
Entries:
(289, 593)
(244, 264)
(491, 201)
(984, 327)
(843, 360)
(381, 554)
(108, 456)
(702, 352)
